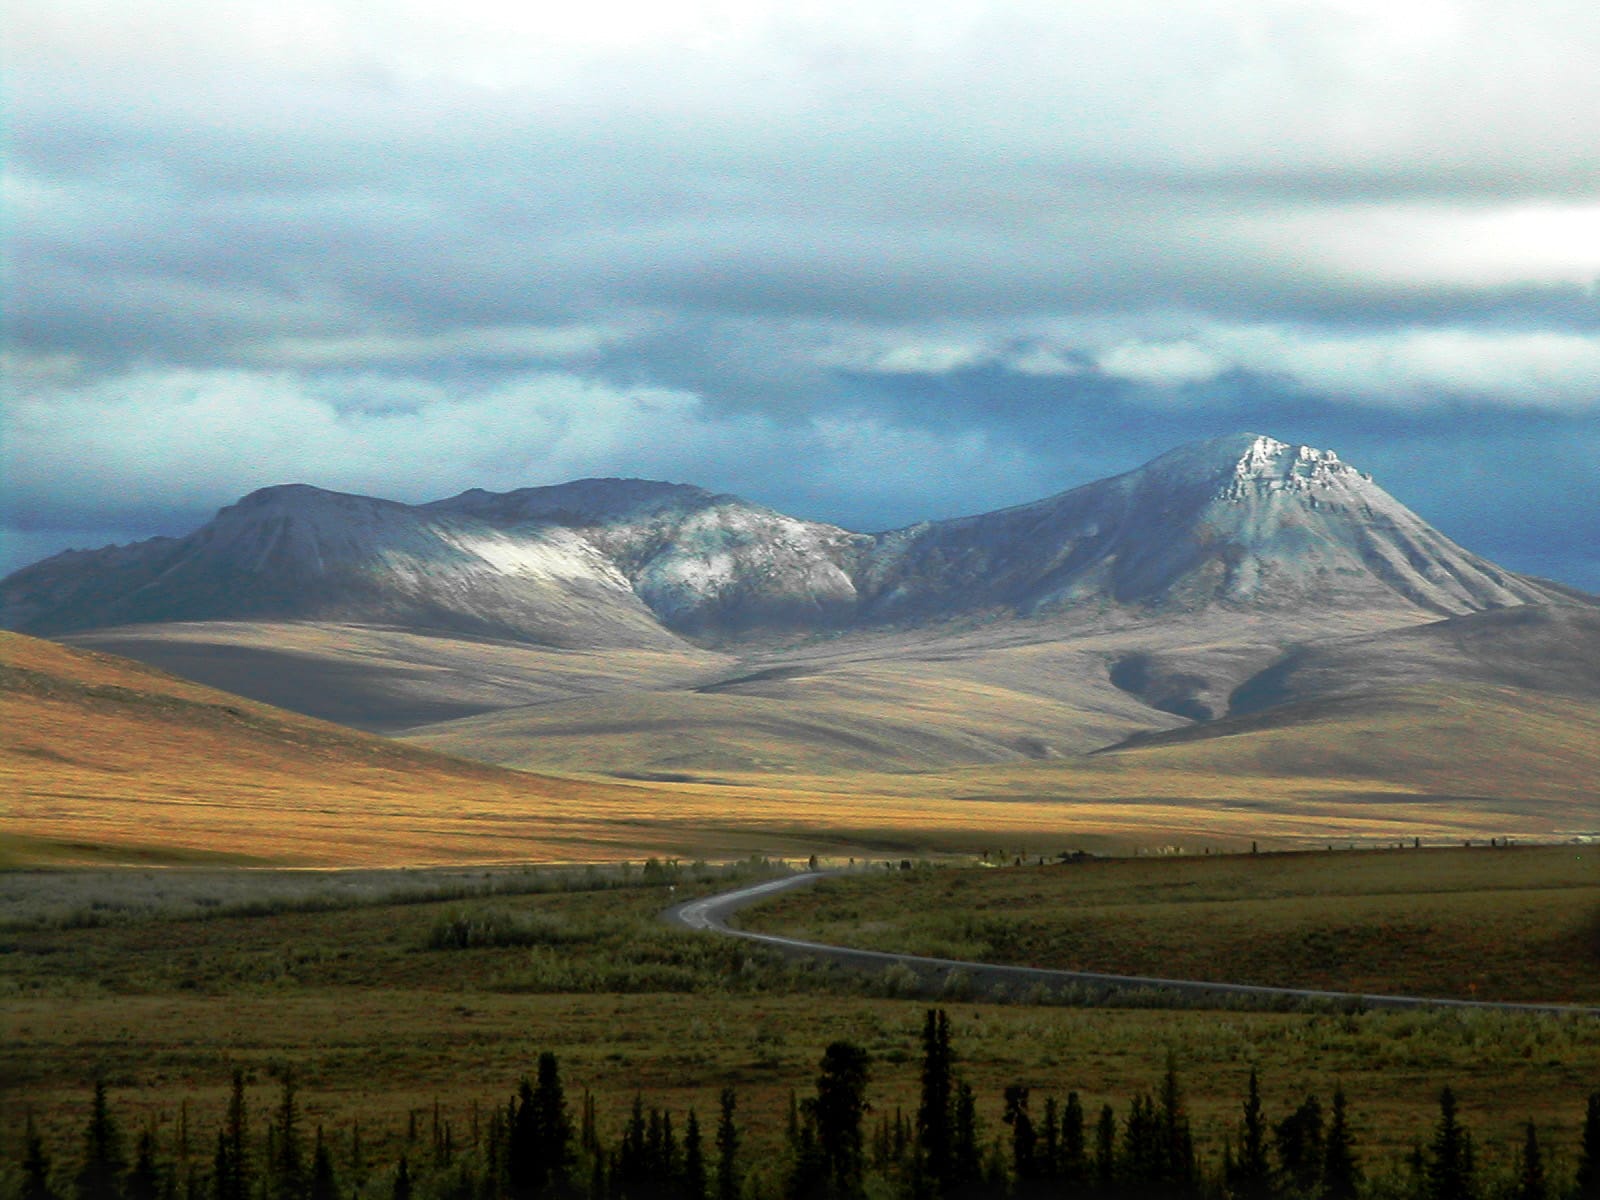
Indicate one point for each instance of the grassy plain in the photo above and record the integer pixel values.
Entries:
(1518, 923)
(106, 760)
(381, 1009)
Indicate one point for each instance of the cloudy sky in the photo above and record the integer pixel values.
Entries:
(866, 261)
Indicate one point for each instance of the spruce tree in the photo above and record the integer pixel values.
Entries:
(1175, 1158)
(588, 1131)
(1024, 1141)
(808, 1173)
(287, 1169)
(1049, 1134)
(232, 1176)
(100, 1176)
(665, 1153)
(1250, 1177)
(837, 1110)
(144, 1181)
(526, 1170)
(1449, 1170)
(553, 1124)
(728, 1171)
(324, 1184)
(630, 1173)
(1105, 1152)
(966, 1162)
(35, 1166)
(1074, 1171)
(1531, 1184)
(402, 1181)
(1298, 1138)
(694, 1163)
(1140, 1166)
(1341, 1175)
(935, 1109)
(222, 1170)
(1588, 1181)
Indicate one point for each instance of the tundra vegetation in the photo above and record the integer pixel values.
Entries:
(834, 1144)
(217, 1009)
(1490, 922)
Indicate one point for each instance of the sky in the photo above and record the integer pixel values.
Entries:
(869, 262)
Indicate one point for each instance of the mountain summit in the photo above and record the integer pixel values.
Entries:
(1243, 522)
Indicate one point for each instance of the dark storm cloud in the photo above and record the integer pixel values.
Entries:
(872, 263)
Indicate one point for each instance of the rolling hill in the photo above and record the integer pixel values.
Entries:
(106, 757)
(1241, 639)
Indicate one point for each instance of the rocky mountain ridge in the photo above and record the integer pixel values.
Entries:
(1245, 521)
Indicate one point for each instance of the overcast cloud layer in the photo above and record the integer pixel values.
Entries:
(866, 262)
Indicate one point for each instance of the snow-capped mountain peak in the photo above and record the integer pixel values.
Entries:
(1240, 521)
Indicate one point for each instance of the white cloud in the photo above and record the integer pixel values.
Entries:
(1043, 362)
(1406, 245)
(195, 440)
(903, 354)
(1160, 364)
(535, 343)
(1412, 368)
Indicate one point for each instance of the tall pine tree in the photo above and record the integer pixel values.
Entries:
(1024, 1139)
(1298, 1138)
(1531, 1184)
(324, 1183)
(935, 1110)
(286, 1173)
(100, 1175)
(1588, 1182)
(145, 1179)
(1449, 1173)
(35, 1166)
(1176, 1168)
(553, 1123)
(231, 1175)
(837, 1111)
(729, 1179)
(1250, 1177)
(1341, 1174)
(694, 1163)
(1074, 1170)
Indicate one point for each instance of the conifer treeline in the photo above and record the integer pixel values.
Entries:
(837, 1148)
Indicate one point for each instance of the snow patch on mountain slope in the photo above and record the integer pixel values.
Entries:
(1243, 521)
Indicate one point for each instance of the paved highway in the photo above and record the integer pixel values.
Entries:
(711, 914)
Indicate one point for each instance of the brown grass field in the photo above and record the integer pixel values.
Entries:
(107, 760)
(1515, 924)
(378, 1019)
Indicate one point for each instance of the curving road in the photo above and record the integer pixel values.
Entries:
(711, 914)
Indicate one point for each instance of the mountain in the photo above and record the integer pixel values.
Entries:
(638, 628)
(703, 563)
(301, 553)
(1243, 522)
(1261, 638)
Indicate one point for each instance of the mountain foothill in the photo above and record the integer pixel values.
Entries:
(1235, 600)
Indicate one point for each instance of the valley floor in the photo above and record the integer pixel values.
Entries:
(383, 1009)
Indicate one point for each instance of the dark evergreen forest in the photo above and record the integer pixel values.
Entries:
(836, 1146)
